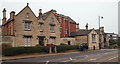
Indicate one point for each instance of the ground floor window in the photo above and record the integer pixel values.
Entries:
(52, 40)
(27, 41)
(94, 38)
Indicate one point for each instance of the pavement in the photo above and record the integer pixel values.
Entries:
(25, 56)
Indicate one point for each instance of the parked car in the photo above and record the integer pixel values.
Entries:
(83, 47)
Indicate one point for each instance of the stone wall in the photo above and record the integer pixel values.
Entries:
(8, 39)
(66, 40)
(81, 39)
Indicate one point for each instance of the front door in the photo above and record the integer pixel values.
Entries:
(41, 41)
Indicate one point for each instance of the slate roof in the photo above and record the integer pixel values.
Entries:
(70, 19)
(9, 20)
(81, 32)
(97, 30)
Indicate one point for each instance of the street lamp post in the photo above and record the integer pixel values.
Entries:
(87, 34)
(99, 19)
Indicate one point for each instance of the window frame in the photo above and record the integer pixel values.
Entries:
(52, 40)
(52, 28)
(27, 41)
(41, 27)
(27, 25)
(93, 38)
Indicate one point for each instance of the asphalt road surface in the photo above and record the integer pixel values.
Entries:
(105, 55)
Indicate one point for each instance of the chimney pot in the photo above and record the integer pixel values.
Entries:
(4, 10)
(27, 4)
(12, 14)
(40, 10)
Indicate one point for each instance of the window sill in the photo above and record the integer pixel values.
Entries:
(27, 30)
(52, 32)
(93, 42)
(41, 30)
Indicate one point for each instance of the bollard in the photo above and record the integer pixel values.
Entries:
(50, 49)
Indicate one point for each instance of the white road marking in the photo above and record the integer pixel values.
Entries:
(92, 59)
(71, 59)
(112, 58)
(47, 62)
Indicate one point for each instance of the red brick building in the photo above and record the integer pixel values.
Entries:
(8, 25)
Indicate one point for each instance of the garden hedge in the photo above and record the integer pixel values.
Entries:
(62, 48)
(11, 51)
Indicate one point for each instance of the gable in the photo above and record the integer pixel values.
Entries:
(26, 10)
(93, 32)
(51, 15)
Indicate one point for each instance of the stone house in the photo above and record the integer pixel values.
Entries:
(26, 29)
(89, 37)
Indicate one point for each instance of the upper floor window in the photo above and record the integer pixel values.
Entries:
(41, 26)
(94, 38)
(52, 28)
(27, 26)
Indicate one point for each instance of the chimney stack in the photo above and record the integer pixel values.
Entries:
(4, 16)
(54, 11)
(4, 13)
(40, 13)
(86, 26)
(12, 14)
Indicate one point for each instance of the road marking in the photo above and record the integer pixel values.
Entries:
(47, 62)
(71, 59)
(92, 59)
(112, 58)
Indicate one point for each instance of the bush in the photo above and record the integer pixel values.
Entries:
(62, 48)
(11, 51)
(4, 46)
(63, 44)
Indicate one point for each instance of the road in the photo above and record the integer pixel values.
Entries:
(105, 55)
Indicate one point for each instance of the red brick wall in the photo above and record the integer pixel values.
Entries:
(8, 29)
(72, 27)
(67, 27)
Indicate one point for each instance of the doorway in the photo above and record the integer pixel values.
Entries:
(69, 43)
(41, 41)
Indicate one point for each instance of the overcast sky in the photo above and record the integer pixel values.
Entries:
(81, 11)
